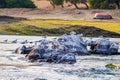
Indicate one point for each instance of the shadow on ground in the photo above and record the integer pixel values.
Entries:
(89, 31)
(9, 19)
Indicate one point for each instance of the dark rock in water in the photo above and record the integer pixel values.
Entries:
(40, 79)
(81, 51)
(104, 46)
(23, 50)
(64, 49)
(58, 56)
(67, 58)
(114, 49)
(74, 44)
(35, 54)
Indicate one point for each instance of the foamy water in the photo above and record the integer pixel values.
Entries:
(16, 67)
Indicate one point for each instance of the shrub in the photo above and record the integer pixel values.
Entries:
(112, 66)
(58, 2)
(75, 2)
(2, 3)
(100, 4)
(17, 4)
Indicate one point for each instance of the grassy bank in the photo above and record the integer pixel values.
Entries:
(58, 27)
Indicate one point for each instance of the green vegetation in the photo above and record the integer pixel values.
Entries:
(58, 27)
(112, 66)
(56, 2)
(74, 2)
(104, 4)
(16, 4)
(94, 4)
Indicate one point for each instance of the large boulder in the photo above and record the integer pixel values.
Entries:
(35, 54)
(67, 58)
(23, 50)
(74, 43)
(64, 49)
(104, 46)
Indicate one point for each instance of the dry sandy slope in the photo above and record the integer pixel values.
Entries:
(68, 14)
(45, 10)
(45, 4)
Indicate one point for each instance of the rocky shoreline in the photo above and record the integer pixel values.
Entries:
(15, 67)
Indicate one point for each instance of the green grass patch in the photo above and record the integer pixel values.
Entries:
(112, 66)
(55, 27)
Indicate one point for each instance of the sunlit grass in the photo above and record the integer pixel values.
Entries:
(110, 26)
(36, 26)
(42, 24)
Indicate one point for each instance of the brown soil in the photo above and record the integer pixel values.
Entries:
(59, 13)
(8, 19)
(46, 11)
(90, 31)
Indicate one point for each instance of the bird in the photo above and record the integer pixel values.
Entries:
(14, 41)
(24, 42)
(5, 41)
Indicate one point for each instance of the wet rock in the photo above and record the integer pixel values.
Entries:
(23, 50)
(65, 48)
(36, 53)
(40, 79)
(103, 46)
(68, 58)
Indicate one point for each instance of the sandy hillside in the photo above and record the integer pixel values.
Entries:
(68, 14)
(44, 4)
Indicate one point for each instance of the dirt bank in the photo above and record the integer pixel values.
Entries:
(67, 14)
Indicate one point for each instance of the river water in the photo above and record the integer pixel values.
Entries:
(90, 67)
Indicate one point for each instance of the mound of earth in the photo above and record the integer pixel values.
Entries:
(88, 31)
(9, 19)
(85, 30)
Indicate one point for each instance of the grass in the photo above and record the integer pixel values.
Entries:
(58, 27)
(110, 26)
(112, 66)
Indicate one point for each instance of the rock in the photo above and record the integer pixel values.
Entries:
(65, 48)
(104, 46)
(23, 50)
(67, 58)
(36, 53)
(40, 79)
